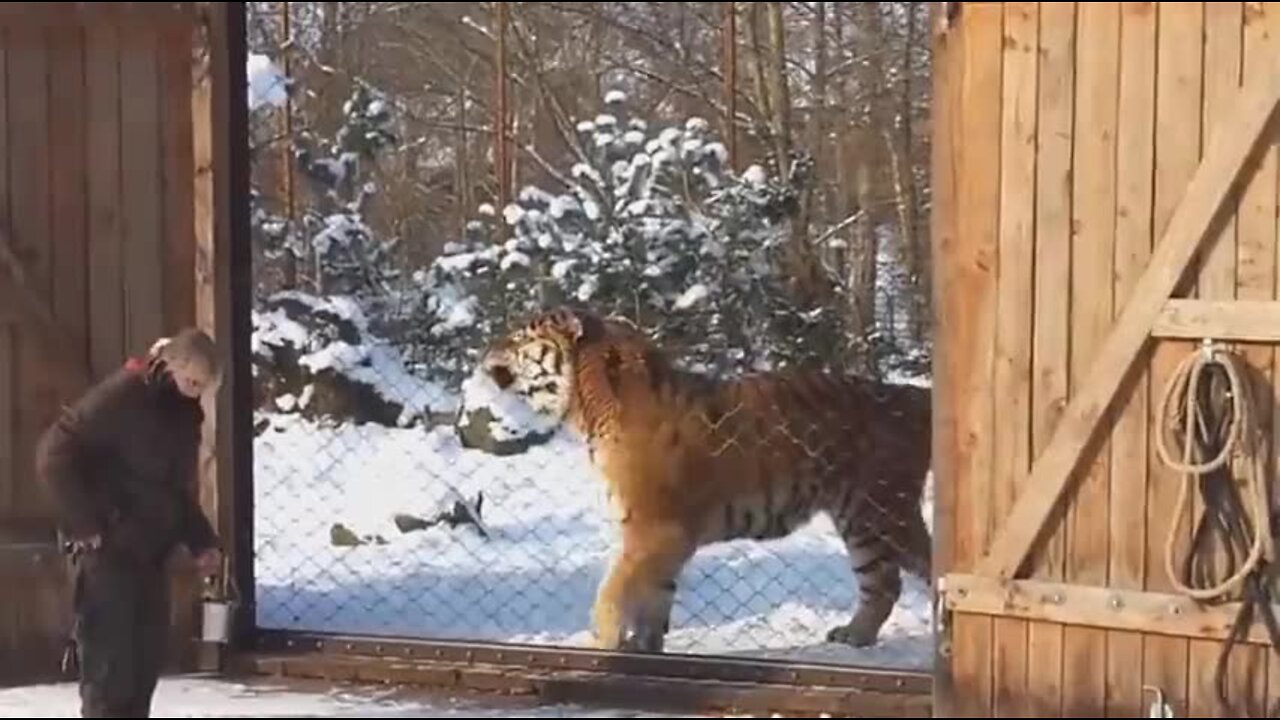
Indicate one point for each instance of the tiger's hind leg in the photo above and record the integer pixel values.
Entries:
(883, 535)
(879, 579)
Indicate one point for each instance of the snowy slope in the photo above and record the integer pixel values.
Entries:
(534, 578)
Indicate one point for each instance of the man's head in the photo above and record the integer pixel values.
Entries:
(191, 359)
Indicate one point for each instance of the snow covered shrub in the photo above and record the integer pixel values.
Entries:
(652, 225)
(317, 356)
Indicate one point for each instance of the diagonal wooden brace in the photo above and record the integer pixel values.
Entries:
(1220, 171)
(62, 354)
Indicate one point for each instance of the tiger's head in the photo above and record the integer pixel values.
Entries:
(536, 360)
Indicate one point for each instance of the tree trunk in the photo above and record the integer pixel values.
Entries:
(778, 87)
(921, 300)
(863, 272)
(758, 73)
(818, 120)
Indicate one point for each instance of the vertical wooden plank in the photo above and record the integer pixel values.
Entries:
(1052, 311)
(9, 400)
(106, 261)
(8, 357)
(1135, 138)
(8, 416)
(1014, 307)
(1217, 278)
(205, 235)
(28, 73)
(28, 69)
(1178, 146)
(67, 201)
(179, 169)
(225, 290)
(1256, 276)
(1263, 33)
(974, 289)
(67, 155)
(105, 220)
(140, 173)
(948, 354)
(1084, 658)
(178, 282)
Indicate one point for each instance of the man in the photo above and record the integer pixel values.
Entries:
(120, 465)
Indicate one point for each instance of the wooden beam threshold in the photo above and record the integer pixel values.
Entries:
(1246, 321)
(1096, 607)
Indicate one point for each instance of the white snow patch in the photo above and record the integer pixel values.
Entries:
(693, 296)
(697, 125)
(514, 258)
(755, 175)
(561, 205)
(457, 315)
(513, 417)
(339, 229)
(267, 84)
(560, 270)
(379, 366)
(512, 214)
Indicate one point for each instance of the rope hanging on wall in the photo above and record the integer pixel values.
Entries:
(1209, 417)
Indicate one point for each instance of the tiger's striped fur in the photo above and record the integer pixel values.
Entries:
(689, 461)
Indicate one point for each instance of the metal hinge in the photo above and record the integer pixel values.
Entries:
(942, 618)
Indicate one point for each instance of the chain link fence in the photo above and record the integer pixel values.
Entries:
(396, 232)
(373, 516)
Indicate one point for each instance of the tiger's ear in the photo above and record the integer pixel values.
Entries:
(570, 323)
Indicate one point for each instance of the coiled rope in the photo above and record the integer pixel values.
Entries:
(1209, 417)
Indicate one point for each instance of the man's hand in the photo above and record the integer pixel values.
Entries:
(208, 562)
(85, 544)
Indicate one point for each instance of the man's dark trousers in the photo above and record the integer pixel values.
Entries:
(121, 633)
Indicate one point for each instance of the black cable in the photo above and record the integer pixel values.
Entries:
(1224, 533)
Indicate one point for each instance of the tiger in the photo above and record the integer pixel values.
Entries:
(689, 460)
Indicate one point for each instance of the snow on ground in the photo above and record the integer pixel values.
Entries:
(534, 578)
(267, 84)
(207, 698)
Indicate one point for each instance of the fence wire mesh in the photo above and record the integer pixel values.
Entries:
(379, 512)
(396, 231)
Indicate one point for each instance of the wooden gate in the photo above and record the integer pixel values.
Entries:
(97, 255)
(1106, 196)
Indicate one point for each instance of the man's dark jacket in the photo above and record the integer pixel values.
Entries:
(121, 464)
